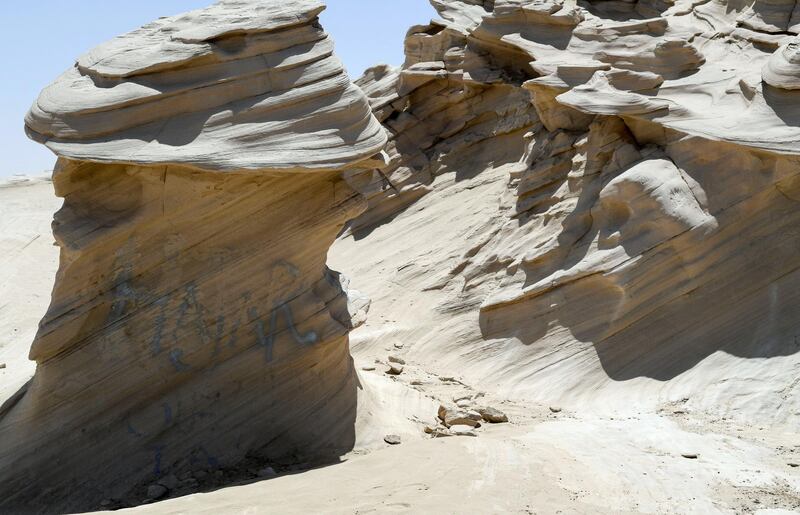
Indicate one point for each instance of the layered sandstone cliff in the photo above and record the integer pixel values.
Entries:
(593, 203)
(194, 324)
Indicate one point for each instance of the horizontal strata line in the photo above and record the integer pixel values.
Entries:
(200, 87)
(308, 20)
(99, 137)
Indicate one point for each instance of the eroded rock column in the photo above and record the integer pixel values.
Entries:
(194, 325)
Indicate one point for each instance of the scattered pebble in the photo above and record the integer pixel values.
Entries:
(367, 369)
(690, 455)
(392, 439)
(794, 465)
(555, 409)
(492, 415)
(395, 370)
(267, 472)
(156, 491)
(398, 345)
(416, 383)
(2, 365)
(395, 359)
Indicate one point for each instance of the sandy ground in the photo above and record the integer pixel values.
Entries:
(577, 460)
(28, 261)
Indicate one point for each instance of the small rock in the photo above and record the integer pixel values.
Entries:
(170, 482)
(395, 370)
(463, 430)
(492, 415)
(447, 379)
(395, 359)
(464, 403)
(440, 432)
(555, 409)
(368, 369)
(690, 455)
(392, 439)
(156, 491)
(267, 472)
(416, 383)
(794, 465)
(2, 365)
(452, 415)
(398, 345)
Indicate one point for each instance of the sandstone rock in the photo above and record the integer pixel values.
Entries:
(392, 439)
(193, 319)
(492, 415)
(462, 430)
(639, 165)
(395, 370)
(398, 360)
(440, 432)
(455, 416)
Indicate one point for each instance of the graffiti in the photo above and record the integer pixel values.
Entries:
(267, 341)
(191, 316)
(189, 333)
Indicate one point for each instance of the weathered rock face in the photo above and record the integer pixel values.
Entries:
(194, 324)
(611, 195)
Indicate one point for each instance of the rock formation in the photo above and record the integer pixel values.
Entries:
(610, 191)
(194, 324)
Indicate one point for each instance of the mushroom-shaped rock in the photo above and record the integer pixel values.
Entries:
(193, 321)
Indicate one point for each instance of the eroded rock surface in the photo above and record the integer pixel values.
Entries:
(608, 193)
(194, 324)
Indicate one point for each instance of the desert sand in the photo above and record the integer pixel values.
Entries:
(561, 278)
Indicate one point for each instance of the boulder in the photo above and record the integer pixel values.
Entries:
(492, 415)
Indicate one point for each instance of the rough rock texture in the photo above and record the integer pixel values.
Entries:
(608, 193)
(194, 322)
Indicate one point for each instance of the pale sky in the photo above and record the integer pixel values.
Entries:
(42, 38)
